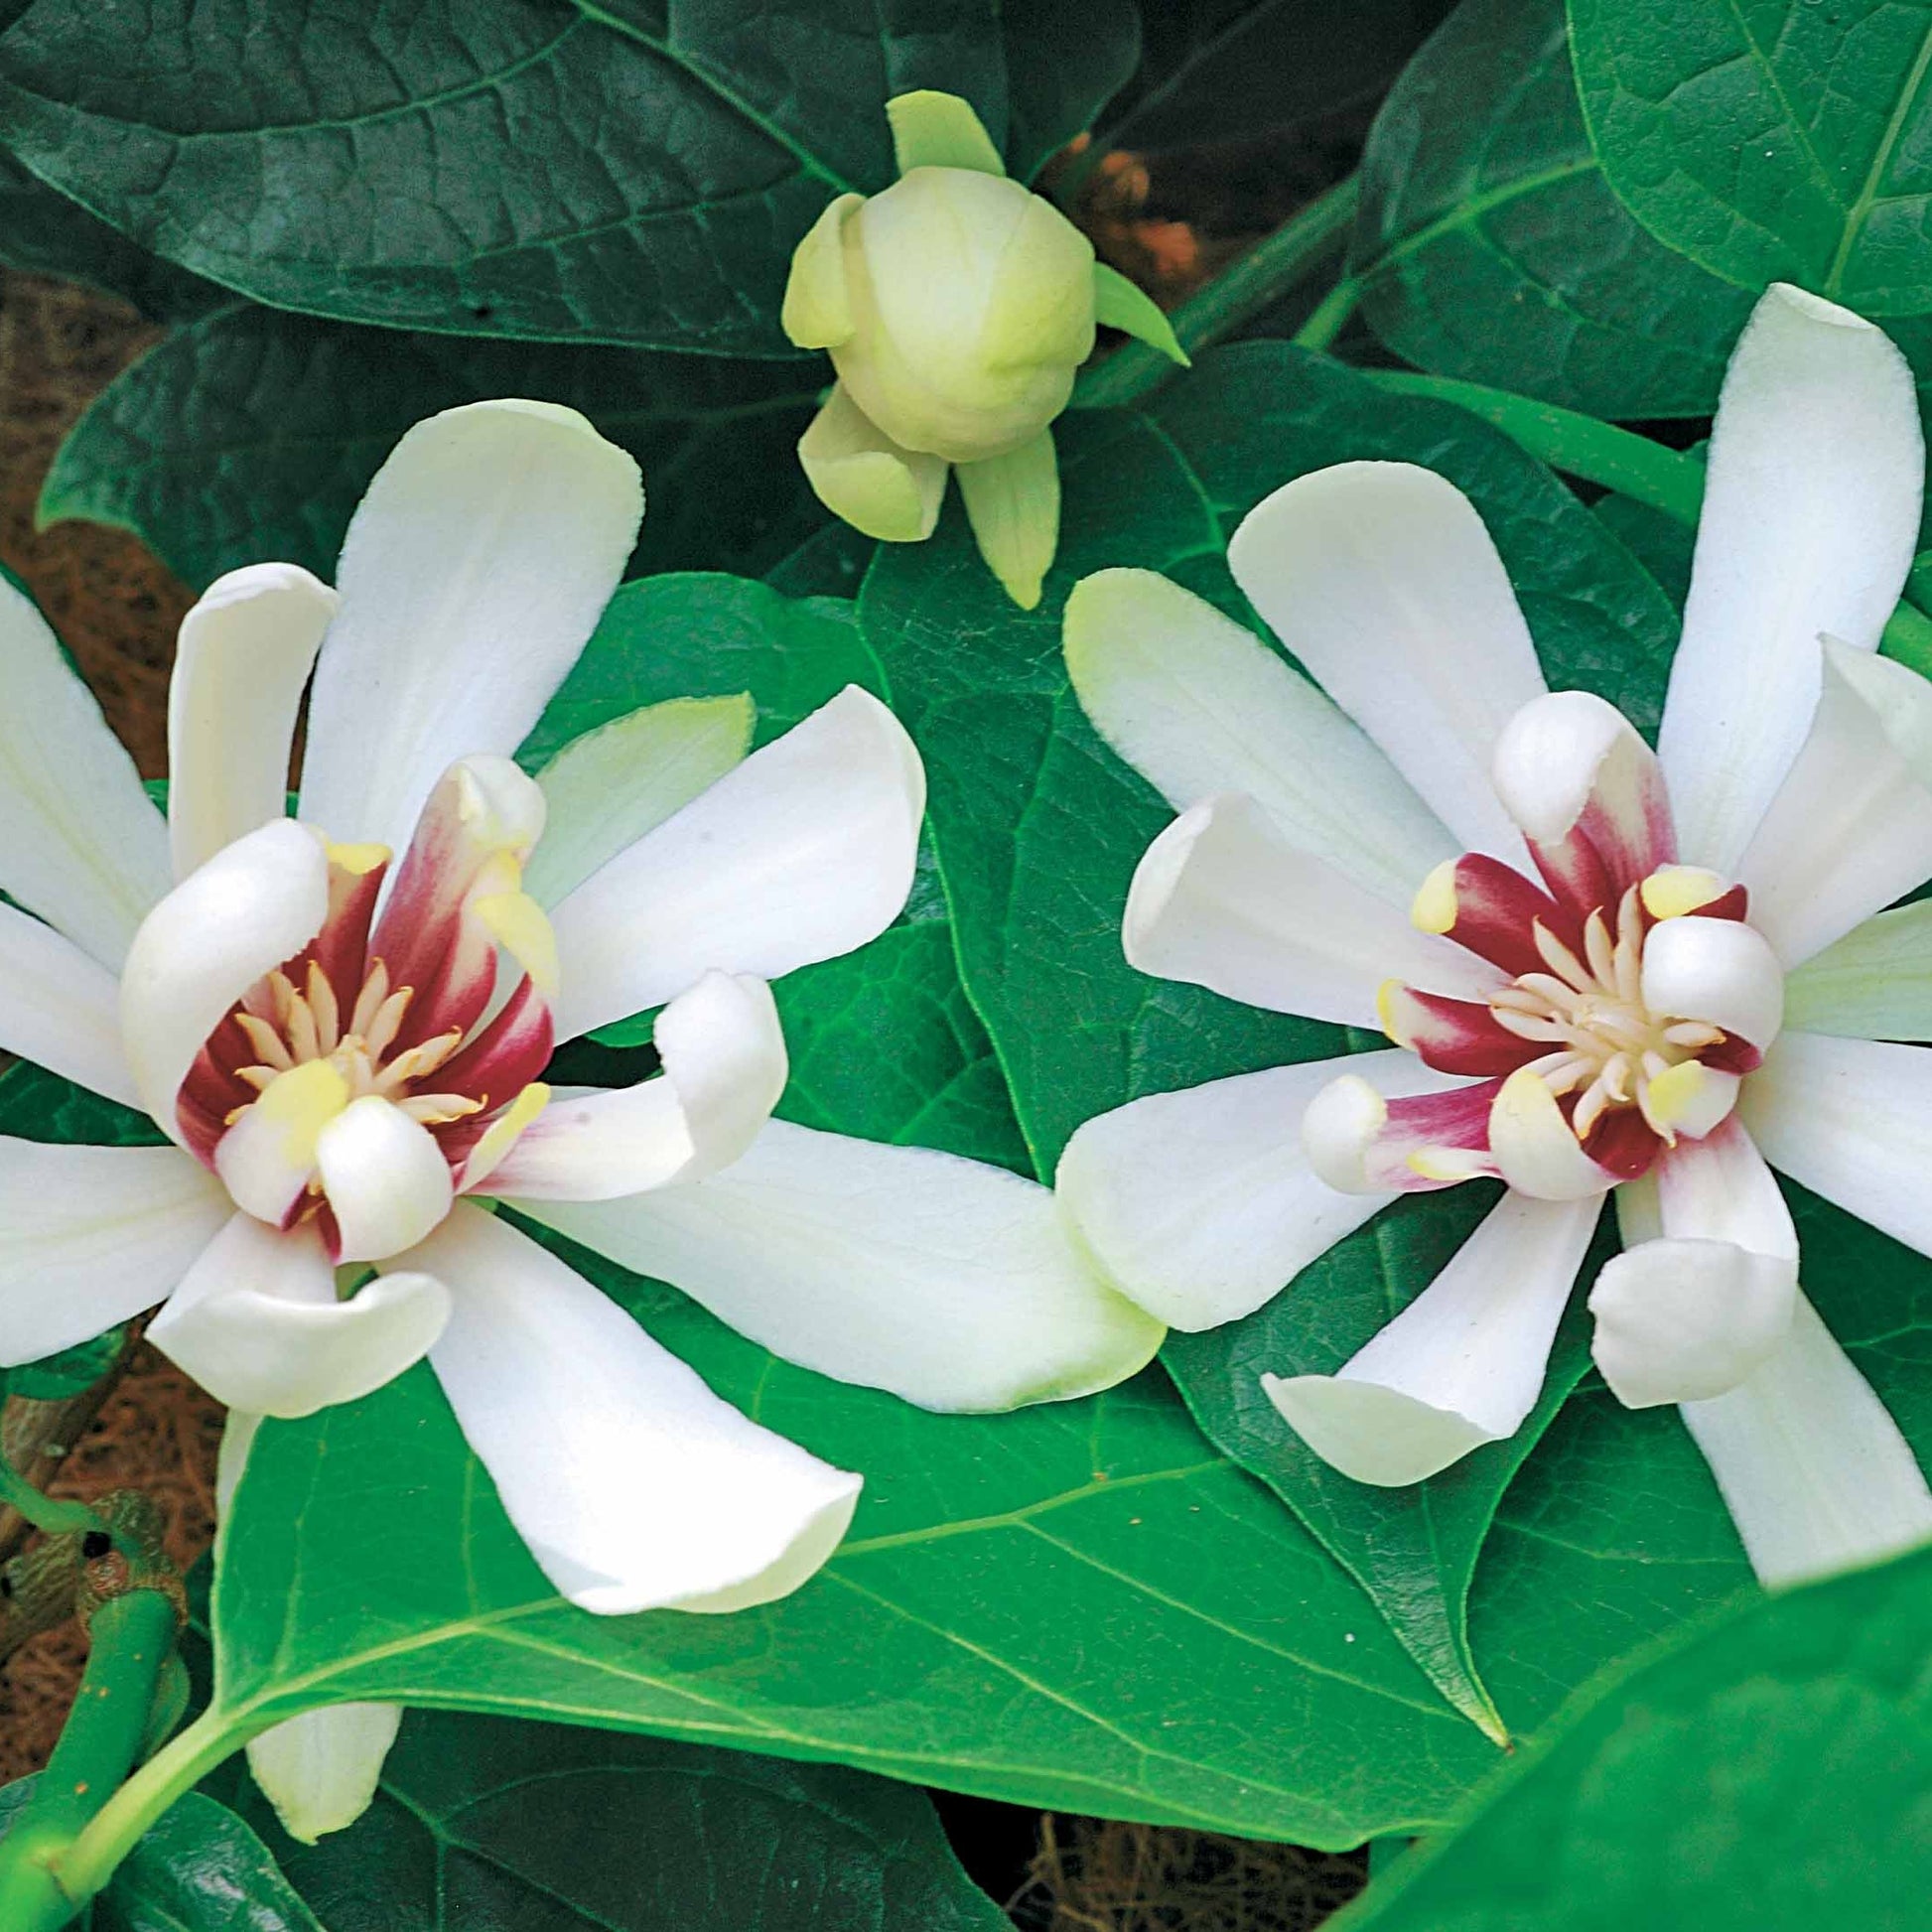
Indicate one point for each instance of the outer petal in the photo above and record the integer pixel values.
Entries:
(60, 1007)
(1852, 1120)
(802, 852)
(633, 1485)
(952, 1284)
(1815, 1473)
(1874, 984)
(1221, 899)
(1848, 831)
(1461, 1365)
(1810, 514)
(1201, 1204)
(473, 573)
(252, 907)
(882, 488)
(320, 1770)
(607, 789)
(257, 1322)
(385, 1176)
(1198, 705)
(1716, 970)
(81, 844)
(91, 1235)
(1381, 579)
(725, 1066)
(243, 658)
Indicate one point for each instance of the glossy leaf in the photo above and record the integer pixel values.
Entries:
(201, 1868)
(1770, 140)
(486, 1824)
(622, 171)
(1767, 1771)
(251, 435)
(1037, 829)
(1492, 248)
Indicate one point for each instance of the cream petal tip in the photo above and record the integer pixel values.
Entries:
(1372, 1434)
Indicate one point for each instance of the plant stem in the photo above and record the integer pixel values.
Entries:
(1334, 309)
(132, 1638)
(48, 1514)
(1243, 289)
(36, 1436)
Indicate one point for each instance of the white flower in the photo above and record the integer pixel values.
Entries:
(1589, 993)
(956, 307)
(346, 1050)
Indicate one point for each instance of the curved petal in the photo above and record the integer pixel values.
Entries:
(257, 1324)
(80, 842)
(1848, 831)
(1811, 510)
(60, 1007)
(92, 1235)
(1380, 578)
(1461, 1365)
(952, 1284)
(320, 1770)
(1013, 504)
(802, 852)
(241, 660)
(725, 1066)
(633, 1485)
(1535, 1147)
(254, 904)
(385, 1176)
(473, 574)
(1221, 899)
(1197, 705)
(1816, 1475)
(1852, 1120)
(1201, 1204)
(1874, 984)
(1360, 1141)
(606, 790)
(1716, 970)
(885, 491)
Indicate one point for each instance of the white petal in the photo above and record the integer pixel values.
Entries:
(1221, 899)
(473, 574)
(257, 1324)
(252, 907)
(1201, 1204)
(385, 1178)
(320, 1770)
(1810, 514)
(607, 789)
(1816, 1475)
(1380, 578)
(91, 1235)
(1874, 984)
(267, 1158)
(1534, 1147)
(60, 1007)
(633, 1485)
(80, 842)
(1718, 1188)
(1683, 1321)
(950, 1283)
(1198, 705)
(1716, 970)
(1849, 832)
(1852, 1120)
(802, 852)
(724, 1054)
(243, 658)
(1461, 1365)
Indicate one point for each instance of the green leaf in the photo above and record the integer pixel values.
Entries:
(1767, 1771)
(1125, 304)
(1770, 140)
(201, 1868)
(250, 434)
(1491, 247)
(69, 1373)
(488, 1824)
(1037, 829)
(1058, 81)
(601, 171)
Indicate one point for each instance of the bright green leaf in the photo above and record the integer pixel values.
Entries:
(69, 1373)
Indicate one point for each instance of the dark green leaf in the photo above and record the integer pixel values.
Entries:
(1770, 140)
(490, 1825)
(1767, 1772)
(1062, 65)
(201, 1868)
(251, 435)
(1037, 830)
(622, 171)
(1492, 248)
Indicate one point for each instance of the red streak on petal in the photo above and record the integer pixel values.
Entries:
(1732, 1054)
(509, 1053)
(1459, 1035)
(1733, 904)
(1496, 909)
(1624, 1143)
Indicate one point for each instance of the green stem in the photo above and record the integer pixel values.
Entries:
(45, 1513)
(1243, 289)
(132, 1637)
(1334, 309)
